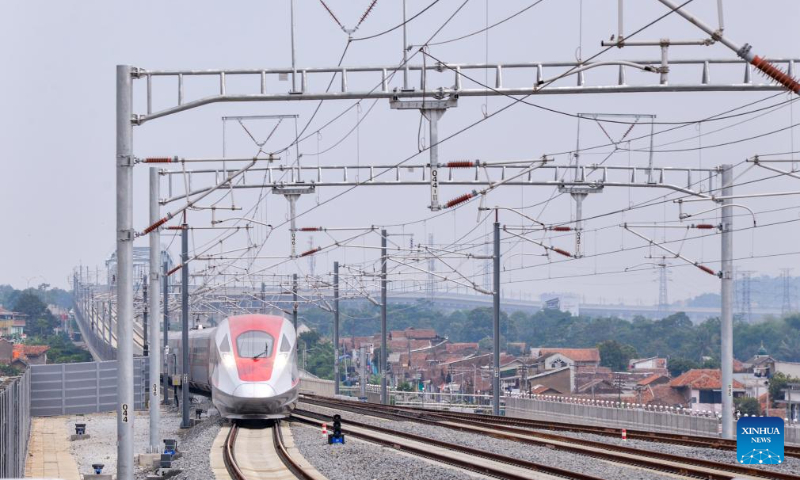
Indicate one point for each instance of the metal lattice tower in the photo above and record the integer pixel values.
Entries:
(786, 304)
(312, 260)
(663, 299)
(746, 306)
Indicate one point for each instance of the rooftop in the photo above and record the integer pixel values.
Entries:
(575, 354)
(701, 379)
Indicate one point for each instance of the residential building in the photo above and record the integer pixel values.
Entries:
(12, 324)
(6, 351)
(652, 363)
(702, 389)
(570, 356)
(30, 354)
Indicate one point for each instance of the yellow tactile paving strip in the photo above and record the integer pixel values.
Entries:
(49, 451)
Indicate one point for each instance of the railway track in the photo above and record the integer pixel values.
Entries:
(256, 451)
(657, 461)
(473, 460)
(527, 424)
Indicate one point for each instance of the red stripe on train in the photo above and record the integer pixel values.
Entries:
(255, 369)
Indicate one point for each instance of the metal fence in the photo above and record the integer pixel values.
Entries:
(633, 418)
(91, 387)
(97, 345)
(15, 425)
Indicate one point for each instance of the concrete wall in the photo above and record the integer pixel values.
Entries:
(317, 386)
(15, 425)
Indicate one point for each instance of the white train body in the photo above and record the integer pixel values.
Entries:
(248, 363)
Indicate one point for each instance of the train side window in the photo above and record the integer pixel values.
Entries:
(225, 345)
(285, 347)
(254, 344)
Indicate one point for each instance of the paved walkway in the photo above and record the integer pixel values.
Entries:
(49, 451)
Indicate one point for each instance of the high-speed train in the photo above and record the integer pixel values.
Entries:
(248, 363)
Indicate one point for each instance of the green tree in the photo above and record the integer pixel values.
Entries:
(40, 322)
(680, 365)
(615, 355)
(405, 387)
(777, 383)
(747, 405)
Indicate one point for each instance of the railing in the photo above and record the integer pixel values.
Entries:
(15, 425)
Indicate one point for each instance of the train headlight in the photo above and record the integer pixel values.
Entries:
(280, 360)
(227, 359)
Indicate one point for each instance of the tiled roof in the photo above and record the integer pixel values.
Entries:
(575, 354)
(650, 379)
(30, 350)
(663, 395)
(702, 379)
(420, 333)
(460, 347)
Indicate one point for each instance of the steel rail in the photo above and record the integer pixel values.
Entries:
(658, 437)
(614, 453)
(302, 416)
(229, 458)
(286, 458)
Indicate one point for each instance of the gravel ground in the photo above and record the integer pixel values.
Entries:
(194, 444)
(361, 460)
(101, 447)
(542, 455)
(791, 465)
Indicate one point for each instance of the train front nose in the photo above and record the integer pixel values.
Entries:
(254, 390)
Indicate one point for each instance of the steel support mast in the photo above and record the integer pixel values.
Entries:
(185, 420)
(294, 301)
(384, 355)
(496, 322)
(154, 307)
(726, 291)
(125, 236)
(336, 327)
(165, 362)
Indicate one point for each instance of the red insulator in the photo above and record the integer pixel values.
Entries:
(707, 270)
(155, 225)
(311, 229)
(704, 226)
(776, 74)
(460, 164)
(174, 270)
(158, 160)
(562, 252)
(311, 252)
(457, 200)
(561, 229)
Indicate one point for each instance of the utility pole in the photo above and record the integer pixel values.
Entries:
(124, 237)
(144, 317)
(362, 356)
(726, 334)
(185, 420)
(496, 320)
(165, 371)
(155, 349)
(335, 327)
(384, 341)
(294, 302)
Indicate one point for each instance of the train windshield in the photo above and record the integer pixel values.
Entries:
(254, 344)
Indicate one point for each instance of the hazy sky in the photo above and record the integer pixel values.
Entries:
(58, 133)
